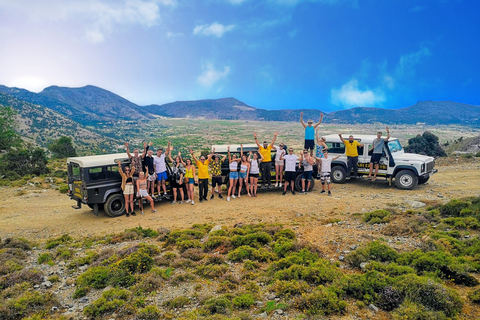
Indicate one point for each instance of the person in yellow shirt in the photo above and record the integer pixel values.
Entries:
(202, 166)
(266, 164)
(351, 152)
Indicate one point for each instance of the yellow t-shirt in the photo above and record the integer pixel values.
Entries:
(351, 148)
(203, 169)
(266, 153)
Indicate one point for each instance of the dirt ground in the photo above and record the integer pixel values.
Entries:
(39, 214)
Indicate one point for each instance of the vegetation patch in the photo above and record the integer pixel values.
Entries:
(377, 216)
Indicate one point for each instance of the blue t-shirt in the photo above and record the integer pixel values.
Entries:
(309, 133)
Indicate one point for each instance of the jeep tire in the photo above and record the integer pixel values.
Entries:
(422, 180)
(406, 180)
(338, 174)
(115, 205)
(298, 183)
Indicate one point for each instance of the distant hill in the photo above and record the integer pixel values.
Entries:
(40, 125)
(463, 145)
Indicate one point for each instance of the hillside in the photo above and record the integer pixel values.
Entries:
(40, 125)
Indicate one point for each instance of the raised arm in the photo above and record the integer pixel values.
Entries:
(169, 149)
(120, 168)
(128, 151)
(169, 154)
(181, 160)
(335, 158)
(223, 158)
(341, 138)
(209, 157)
(241, 150)
(274, 138)
(229, 157)
(388, 134)
(145, 148)
(193, 155)
(319, 121)
(256, 139)
(301, 120)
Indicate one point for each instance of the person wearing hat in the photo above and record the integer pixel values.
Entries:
(310, 132)
(266, 165)
(377, 148)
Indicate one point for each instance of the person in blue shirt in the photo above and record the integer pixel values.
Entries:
(310, 132)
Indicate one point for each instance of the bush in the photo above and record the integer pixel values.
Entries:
(474, 296)
(390, 298)
(18, 243)
(453, 208)
(45, 258)
(218, 305)
(52, 243)
(375, 250)
(414, 311)
(178, 302)
(256, 240)
(322, 301)
(94, 277)
(244, 301)
(145, 233)
(215, 242)
(28, 303)
(366, 287)
(285, 233)
(211, 271)
(31, 276)
(289, 288)
(377, 216)
(149, 313)
(320, 272)
(111, 301)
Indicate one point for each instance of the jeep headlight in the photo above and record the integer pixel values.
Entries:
(423, 168)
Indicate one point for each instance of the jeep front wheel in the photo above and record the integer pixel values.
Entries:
(422, 180)
(298, 183)
(406, 180)
(338, 174)
(115, 205)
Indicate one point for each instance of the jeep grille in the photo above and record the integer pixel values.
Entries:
(430, 166)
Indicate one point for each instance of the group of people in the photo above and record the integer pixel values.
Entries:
(146, 169)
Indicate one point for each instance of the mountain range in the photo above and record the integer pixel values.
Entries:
(91, 105)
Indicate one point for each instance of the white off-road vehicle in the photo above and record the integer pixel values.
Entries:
(407, 169)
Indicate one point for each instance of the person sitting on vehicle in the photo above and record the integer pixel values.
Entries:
(326, 170)
(290, 172)
(161, 169)
(266, 165)
(127, 187)
(321, 145)
(202, 165)
(377, 148)
(243, 174)
(178, 170)
(233, 175)
(136, 160)
(254, 171)
(150, 170)
(279, 165)
(217, 174)
(307, 162)
(310, 132)
(143, 193)
(190, 175)
(351, 152)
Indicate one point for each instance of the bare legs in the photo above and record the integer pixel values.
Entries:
(253, 186)
(278, 174)
(128, 203)
(232, 187)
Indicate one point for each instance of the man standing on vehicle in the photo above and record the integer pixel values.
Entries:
(266, 165)
(290, 172)
(351, 152)
(202, 166)
(377, 148)
(161, 170)
(310, 132)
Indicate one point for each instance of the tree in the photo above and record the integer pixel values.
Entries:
(426, 144)
(24, 161)
(8, 137)
(62, 148)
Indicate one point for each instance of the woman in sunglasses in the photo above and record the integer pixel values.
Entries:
(127, 187)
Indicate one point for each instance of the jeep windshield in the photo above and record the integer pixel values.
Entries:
(394, 146)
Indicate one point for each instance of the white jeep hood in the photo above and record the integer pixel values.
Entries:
(411, 157)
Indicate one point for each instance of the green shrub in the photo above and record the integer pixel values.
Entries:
(188, 244)
(453, 208)
(18, 243)
(474, 296)
(241, 253)
(250, 265)
(52, 243)
(414, 311)
(218, 305)
(285, 233)
(244, 301)
(283, 246)
(144, 233)
(320, 272)
(89, 258)
(137, 262)
(178, 236)
(63, 253)
(391, 269)
(149, 313)
(302, 257)
(45, 257)
(80, 292)
(193, 254)
(376, 250)
(211, 271)
(111, 301)
(63, 188)
(163, 273)
(322, 301)
(26, 275)
(28, 303)
(364, 287)
(290, 287)
(95, 277)
(11, 259)
(214, 242)
(256, 240)
(377, 216)
(178, 302)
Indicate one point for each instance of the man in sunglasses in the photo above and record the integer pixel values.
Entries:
(307, 162)
(310, 132)
(351, 152)
(290, 172)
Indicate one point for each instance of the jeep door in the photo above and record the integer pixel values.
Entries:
(75, 182)
(363, 159)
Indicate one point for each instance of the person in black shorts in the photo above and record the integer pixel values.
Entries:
(290, 170)
(217, 174)
(377, 152)
(310, 132)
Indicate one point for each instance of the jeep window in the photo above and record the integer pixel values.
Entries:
(112, 173)
(394, 146)
(74, 171)
(335, 147)
(96, 174)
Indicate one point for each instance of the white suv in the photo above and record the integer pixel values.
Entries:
(408, 169)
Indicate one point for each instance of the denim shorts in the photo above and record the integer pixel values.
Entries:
(307, 175)
(162, 176)
(191, 181)
(242, 175)
(233, 174)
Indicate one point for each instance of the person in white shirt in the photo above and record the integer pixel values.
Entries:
(290, 171)
(326, 169)
(161, 169)
(279, 165)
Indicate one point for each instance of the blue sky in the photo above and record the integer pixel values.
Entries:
(273, 54)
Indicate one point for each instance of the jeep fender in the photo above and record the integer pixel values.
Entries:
(111, 191)
(411, 168)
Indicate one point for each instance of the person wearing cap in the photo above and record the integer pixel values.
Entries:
(279, 165)
(266, 165)
(202, 166)
(351, 152)
(310, 132)
(326, 170)
(290, 170)
(377, 148)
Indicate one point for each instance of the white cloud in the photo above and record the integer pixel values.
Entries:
(99, 17)
(349, 95)
(215, 29)
(174, 34)
(406, 65)
(236, 1)
(210, 75)
(295, 2)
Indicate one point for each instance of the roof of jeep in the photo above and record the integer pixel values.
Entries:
(100, 160)
(363, 138)
(222, 148)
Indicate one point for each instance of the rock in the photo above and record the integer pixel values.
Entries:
(271, 296)
(341, 258)
(363, 265)
(373, 307)
(216, 228)
(49, 180)
(83, 300)
(354, 247)
(279, 311)
(46, 284)
(54, 309)
(415, 204)
(259, 304)
(328, 225)
(262, 315)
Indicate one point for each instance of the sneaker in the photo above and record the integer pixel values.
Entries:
(238, 195)
(228, 198)
(303, 191)
(141, 213)
(205, 198)
(280, 185)
(211, 198)
(133, 213)
(284, 193)
(369, 178)
(173, 202)
(153, 211)
(127, 215)
(347, 178)
(374, 178)
(270, 186)
(220, 196)
(293, 192)
(193, 202)
(181, 202)
(329, 193)
(276, 185)
(233, 196)
(201, 200)
(323, 191)
(188, 201)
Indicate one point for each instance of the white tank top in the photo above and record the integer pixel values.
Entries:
(254, 167)
(233, 166)
(243, 168)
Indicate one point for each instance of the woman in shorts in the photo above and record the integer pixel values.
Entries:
(254, 171)
(127, 187)
(190, 176)
(142, 192)
(233, 176)
(243, 174)
(178, 172)
(319, 152)
(279, 165)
